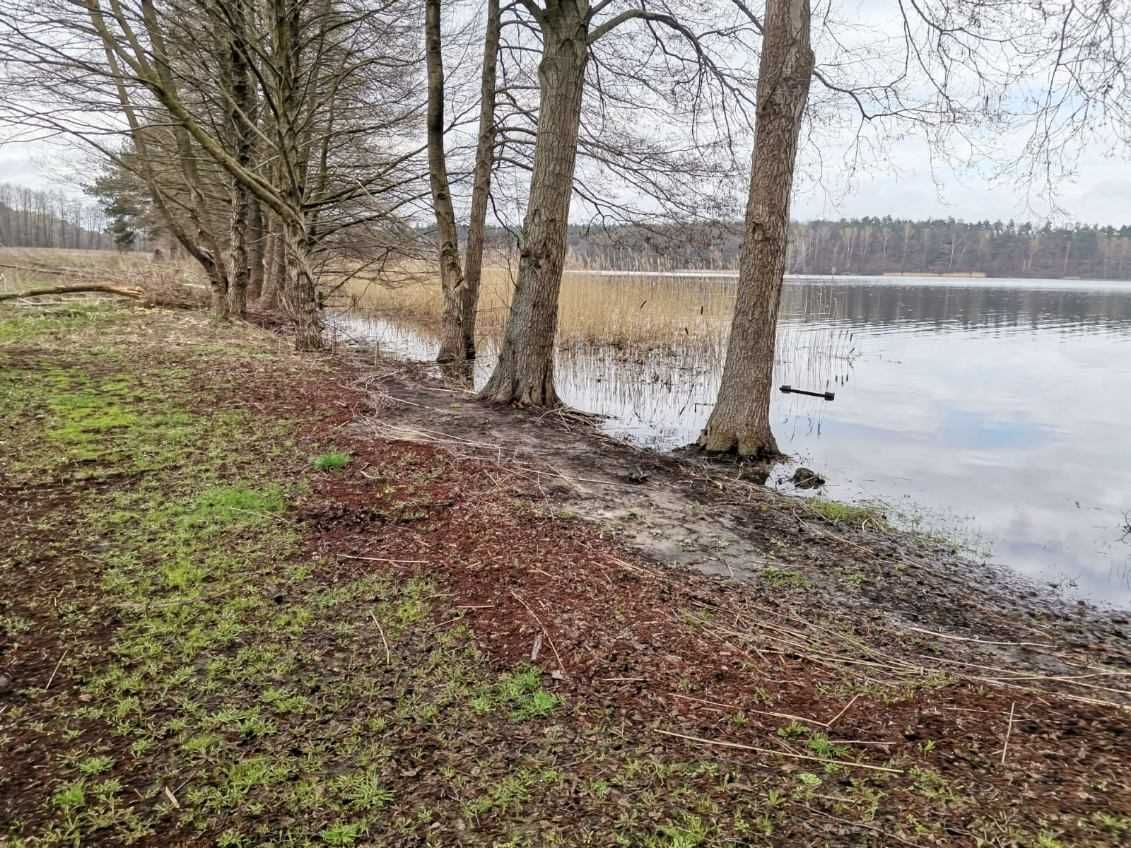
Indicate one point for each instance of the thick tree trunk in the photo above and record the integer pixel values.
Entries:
(239, 258)
(481, 187)
(525, 370)
(240, 128)
(451, 275)
(301, 295)
(740, 421)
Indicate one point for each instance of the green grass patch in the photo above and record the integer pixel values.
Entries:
(519, 694)
(331, 460)
(837, 512)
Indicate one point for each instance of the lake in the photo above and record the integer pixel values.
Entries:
(994, 411)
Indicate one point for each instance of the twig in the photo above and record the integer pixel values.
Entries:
(789, 716)
(56, 671)
(173, 798)
(977, 641)
(1008, 731)
(383, 559)
(773, 753)
(534, 615)
(859, 825)
(388, 653)
(847, 707)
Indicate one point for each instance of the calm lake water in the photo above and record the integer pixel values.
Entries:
(995, 411)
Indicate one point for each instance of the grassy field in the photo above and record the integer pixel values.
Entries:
(227, 619)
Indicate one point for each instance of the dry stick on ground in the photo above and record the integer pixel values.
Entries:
(534, 615)
(1008, 731)
(789, 716)
(51, 679)
(859, 825)
(388, 653)
(847, 707)
(136, 294)
(770, 752)
(385, 559)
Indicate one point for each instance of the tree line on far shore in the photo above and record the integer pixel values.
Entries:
(869, 246)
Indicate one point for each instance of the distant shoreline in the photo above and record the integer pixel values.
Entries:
(888, 278)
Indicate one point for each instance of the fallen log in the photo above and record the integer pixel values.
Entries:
(136, 294)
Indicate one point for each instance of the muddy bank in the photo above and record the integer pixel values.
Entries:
(687, 512)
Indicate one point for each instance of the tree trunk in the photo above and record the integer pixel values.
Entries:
(451, 275)
(203, 247)
(239, 258)
(240, 127)
(186, 157)
(301, 295)
(258, 249)
(740, 421)
(524, 373)
(274, 266)
(481, 188)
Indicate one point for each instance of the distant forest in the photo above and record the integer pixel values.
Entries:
(867, 246)
(872, 246)
(32, 218)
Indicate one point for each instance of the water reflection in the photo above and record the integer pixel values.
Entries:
(994, 408)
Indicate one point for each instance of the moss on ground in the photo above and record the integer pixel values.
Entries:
(205, 678)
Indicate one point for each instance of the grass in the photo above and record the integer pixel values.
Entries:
(238, 660)
(838, 512)
(331, 460)
(783, 578)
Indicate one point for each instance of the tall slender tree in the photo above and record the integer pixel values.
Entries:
(739, 422)
(481, 185)
(451, 275)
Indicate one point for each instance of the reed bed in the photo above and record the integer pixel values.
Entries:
(636, 314)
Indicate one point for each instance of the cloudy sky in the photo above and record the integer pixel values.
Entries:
(898, 180)
(1098, 191)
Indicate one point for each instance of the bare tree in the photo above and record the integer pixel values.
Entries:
(481, 185)
(310, 119)
(568, 34)
(451, 275)
(739, 422)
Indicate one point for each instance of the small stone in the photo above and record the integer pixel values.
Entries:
(5, 684)
(637, 475)
(807, 478)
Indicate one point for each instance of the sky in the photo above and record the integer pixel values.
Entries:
(899, 180)
(906, 186)
(903, 187)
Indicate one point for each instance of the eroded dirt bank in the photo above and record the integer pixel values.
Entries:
(241, 584)
(713, 519)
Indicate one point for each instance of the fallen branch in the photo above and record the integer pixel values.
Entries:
(136, 294)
